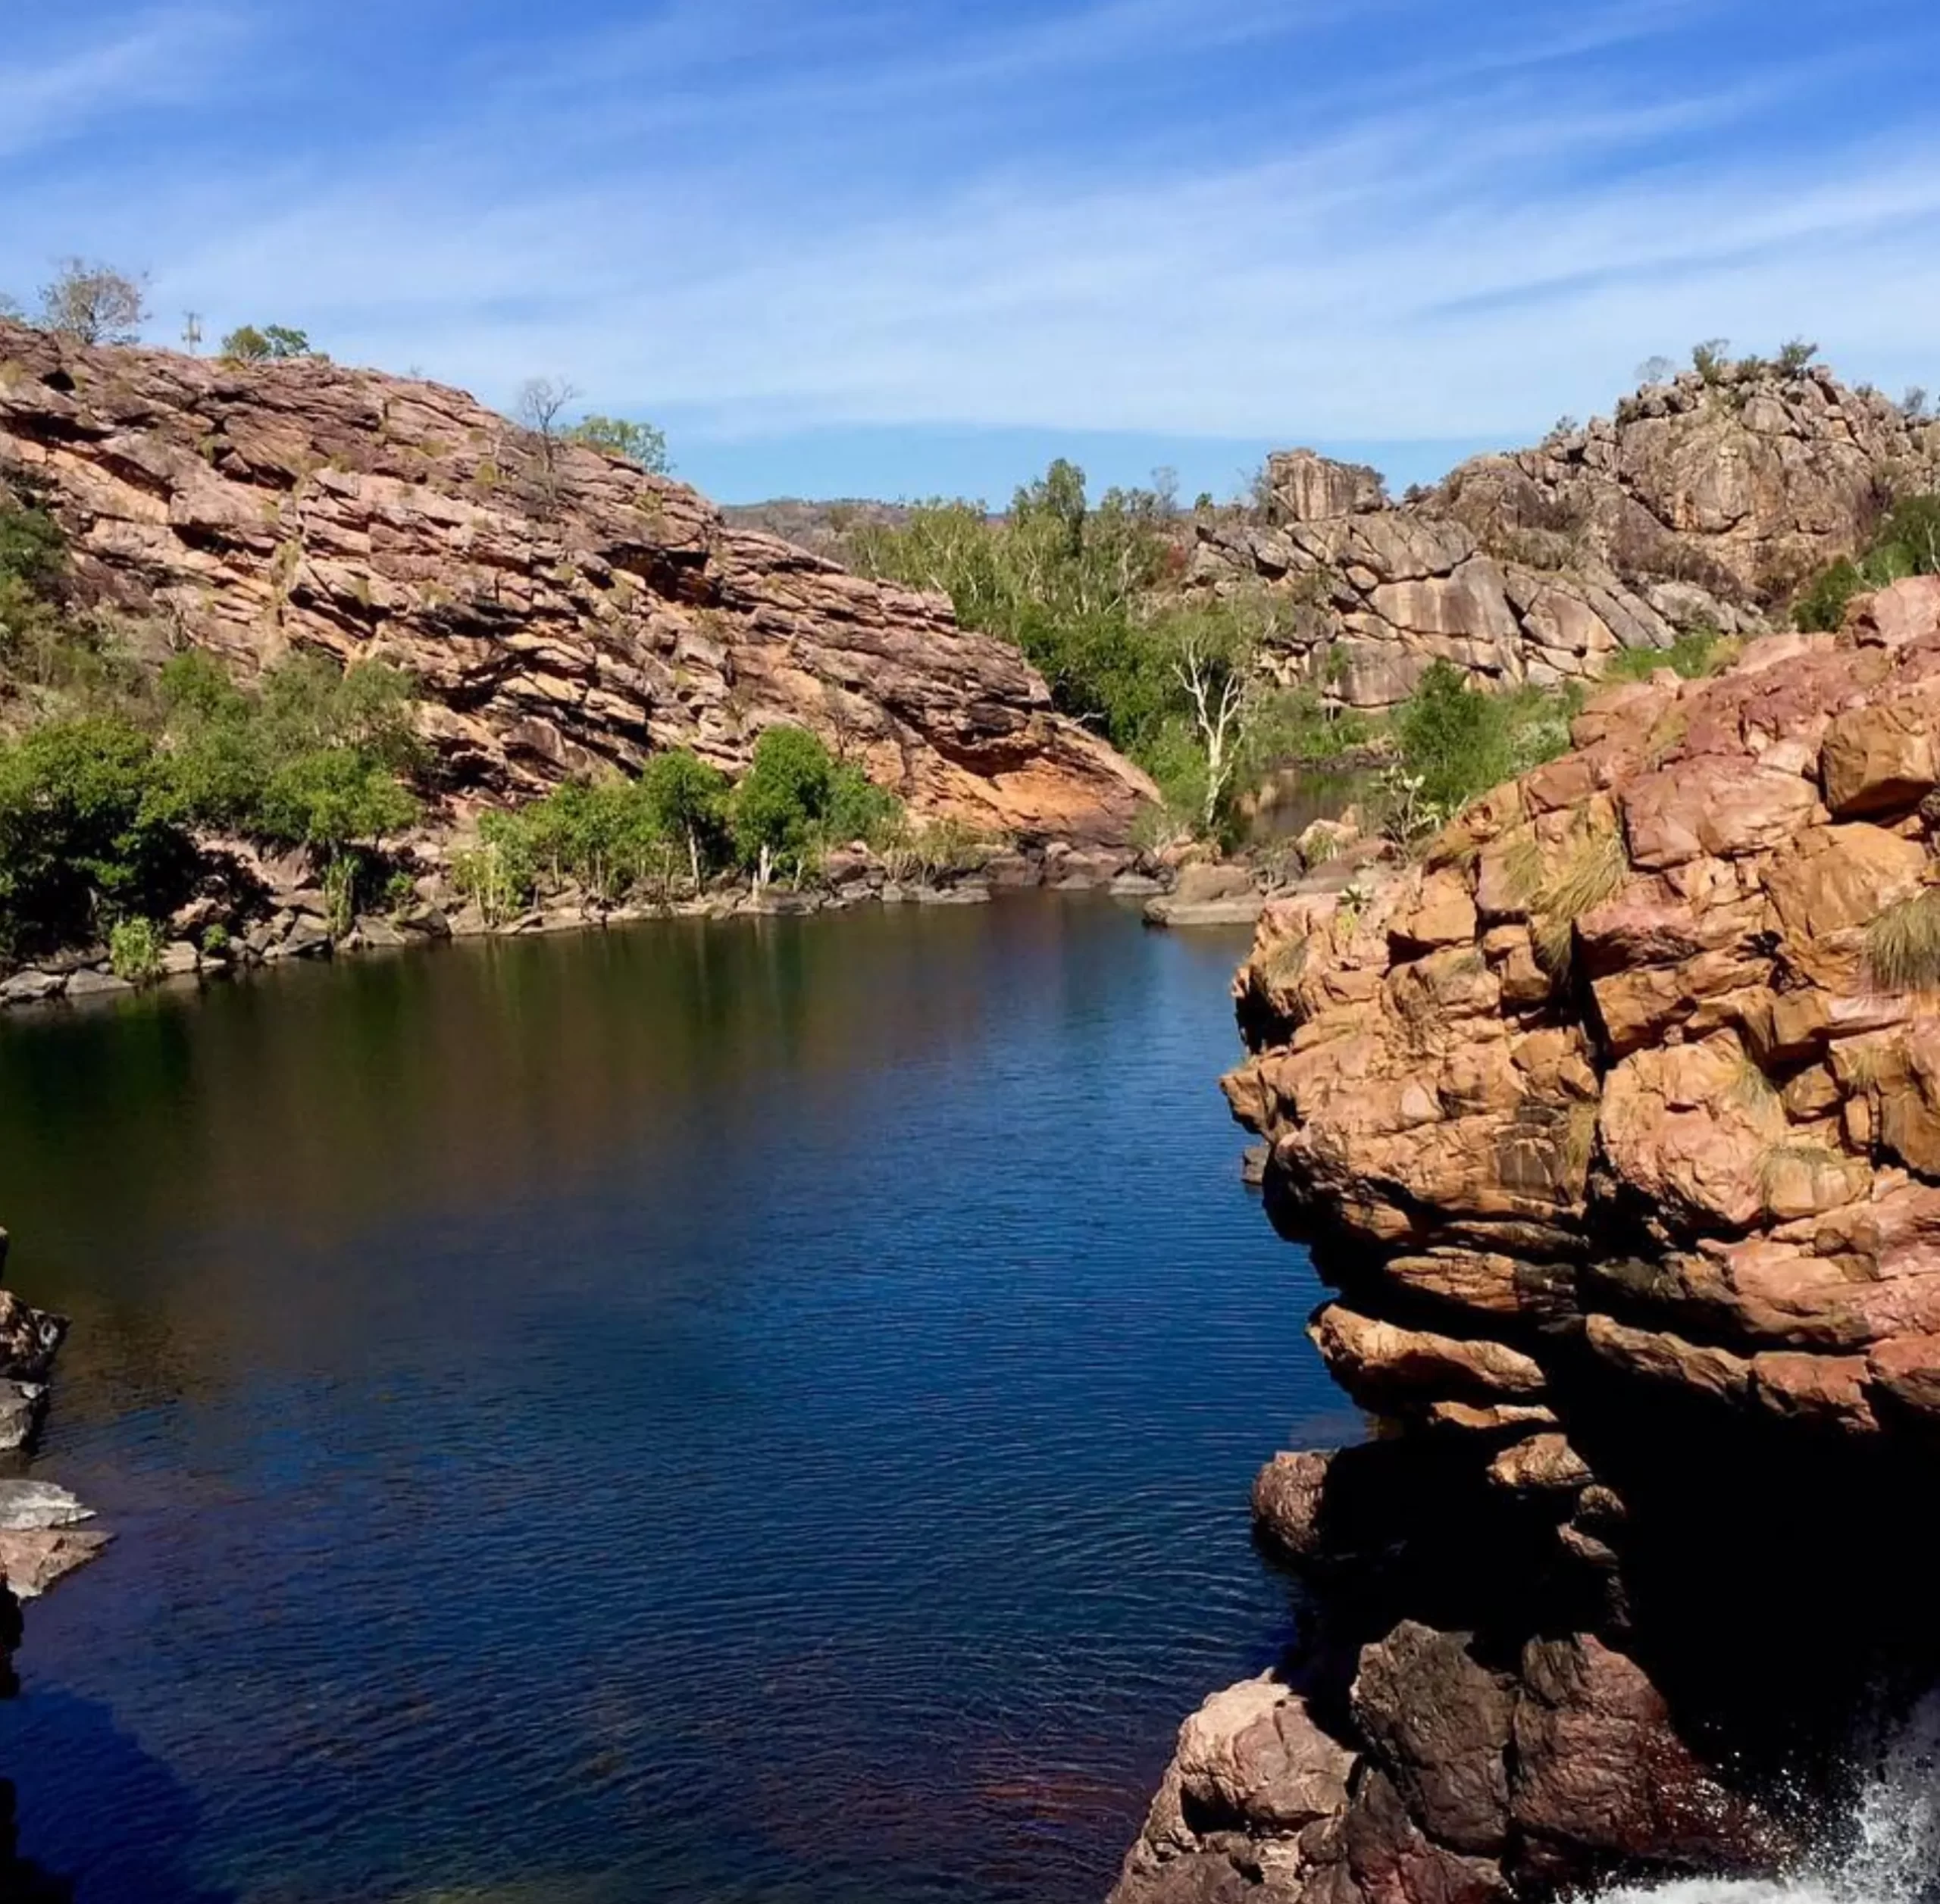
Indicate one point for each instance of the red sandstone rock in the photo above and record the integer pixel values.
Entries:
(1721, 1078)
(561, 610)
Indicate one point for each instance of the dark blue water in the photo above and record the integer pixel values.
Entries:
(747, 1412)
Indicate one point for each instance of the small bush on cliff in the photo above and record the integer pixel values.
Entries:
(637, 442)
(94, 303)
(1903, 945)
(1593, 871)
(1906, 543)
(1822, 606)
(273, 343)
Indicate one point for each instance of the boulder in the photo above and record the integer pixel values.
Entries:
(29, 1339)
(33, 1507)
(1441, 1722)
(30, 1562)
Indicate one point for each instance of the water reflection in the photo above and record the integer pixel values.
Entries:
(759, 1412)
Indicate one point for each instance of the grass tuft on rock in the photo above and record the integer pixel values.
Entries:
(1594, 871)
(1285, 962)
(1903, 945)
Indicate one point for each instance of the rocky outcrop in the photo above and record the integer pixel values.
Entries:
(1744, 482)
(1612, 1120)
(561, 610)
(1698, 508)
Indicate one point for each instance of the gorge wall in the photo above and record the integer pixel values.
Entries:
(1702, 505)
(1615, 1122)
(561, 610)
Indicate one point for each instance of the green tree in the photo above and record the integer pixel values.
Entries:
(688, 801)
(336, 799)
(637, 442)
(88, 833)
(782, 800)
(273, 343)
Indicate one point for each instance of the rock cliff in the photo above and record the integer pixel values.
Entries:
(1615, 1122)
(562, 609)
(1701, 504)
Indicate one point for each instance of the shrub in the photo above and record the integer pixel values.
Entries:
(87, 832)
(1796, 358)
(215, 941)
(33, 550)
(778, 808)
(1062, 577)
(1711, 359)
(640, 443)
(498, 873)
(93, 303)
(272, 343)
(1822, 606)
(135, 950)
(1593, 871)
(334, 799)
(1907, 542)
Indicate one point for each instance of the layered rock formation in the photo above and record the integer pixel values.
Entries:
(562, 610)
(1614, 1122)
(1700, 506)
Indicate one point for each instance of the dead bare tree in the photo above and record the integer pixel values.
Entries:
(93, 303)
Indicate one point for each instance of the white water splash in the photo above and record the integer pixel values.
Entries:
(1888, 1853)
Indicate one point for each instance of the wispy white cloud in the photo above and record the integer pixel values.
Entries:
(167, 56)
(1449, 248)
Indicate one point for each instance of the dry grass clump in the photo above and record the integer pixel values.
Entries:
(1753, 1090)
(1593, 872)
(1903, 945)
(1285, 962)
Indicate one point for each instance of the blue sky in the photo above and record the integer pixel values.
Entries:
(859, 247)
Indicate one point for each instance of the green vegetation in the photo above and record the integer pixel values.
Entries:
(796, 800)
(1903, 945)
(88, 833)
(1593, 870)
(1081, 588)
(1908, 543)
(100, 803)
(637, 442)
(1456, 741)
(135, 950)
(273, 343)
(1065, 579)
(91, 302)
(1696, 656)
(618, 838)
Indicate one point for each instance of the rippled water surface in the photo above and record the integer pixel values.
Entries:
(754, 1412)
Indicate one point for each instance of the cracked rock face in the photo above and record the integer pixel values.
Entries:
(1692, 1103)
(1699, 508)
(562, 610)
(1618, 1141)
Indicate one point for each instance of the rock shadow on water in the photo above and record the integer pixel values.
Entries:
(64, 1756)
